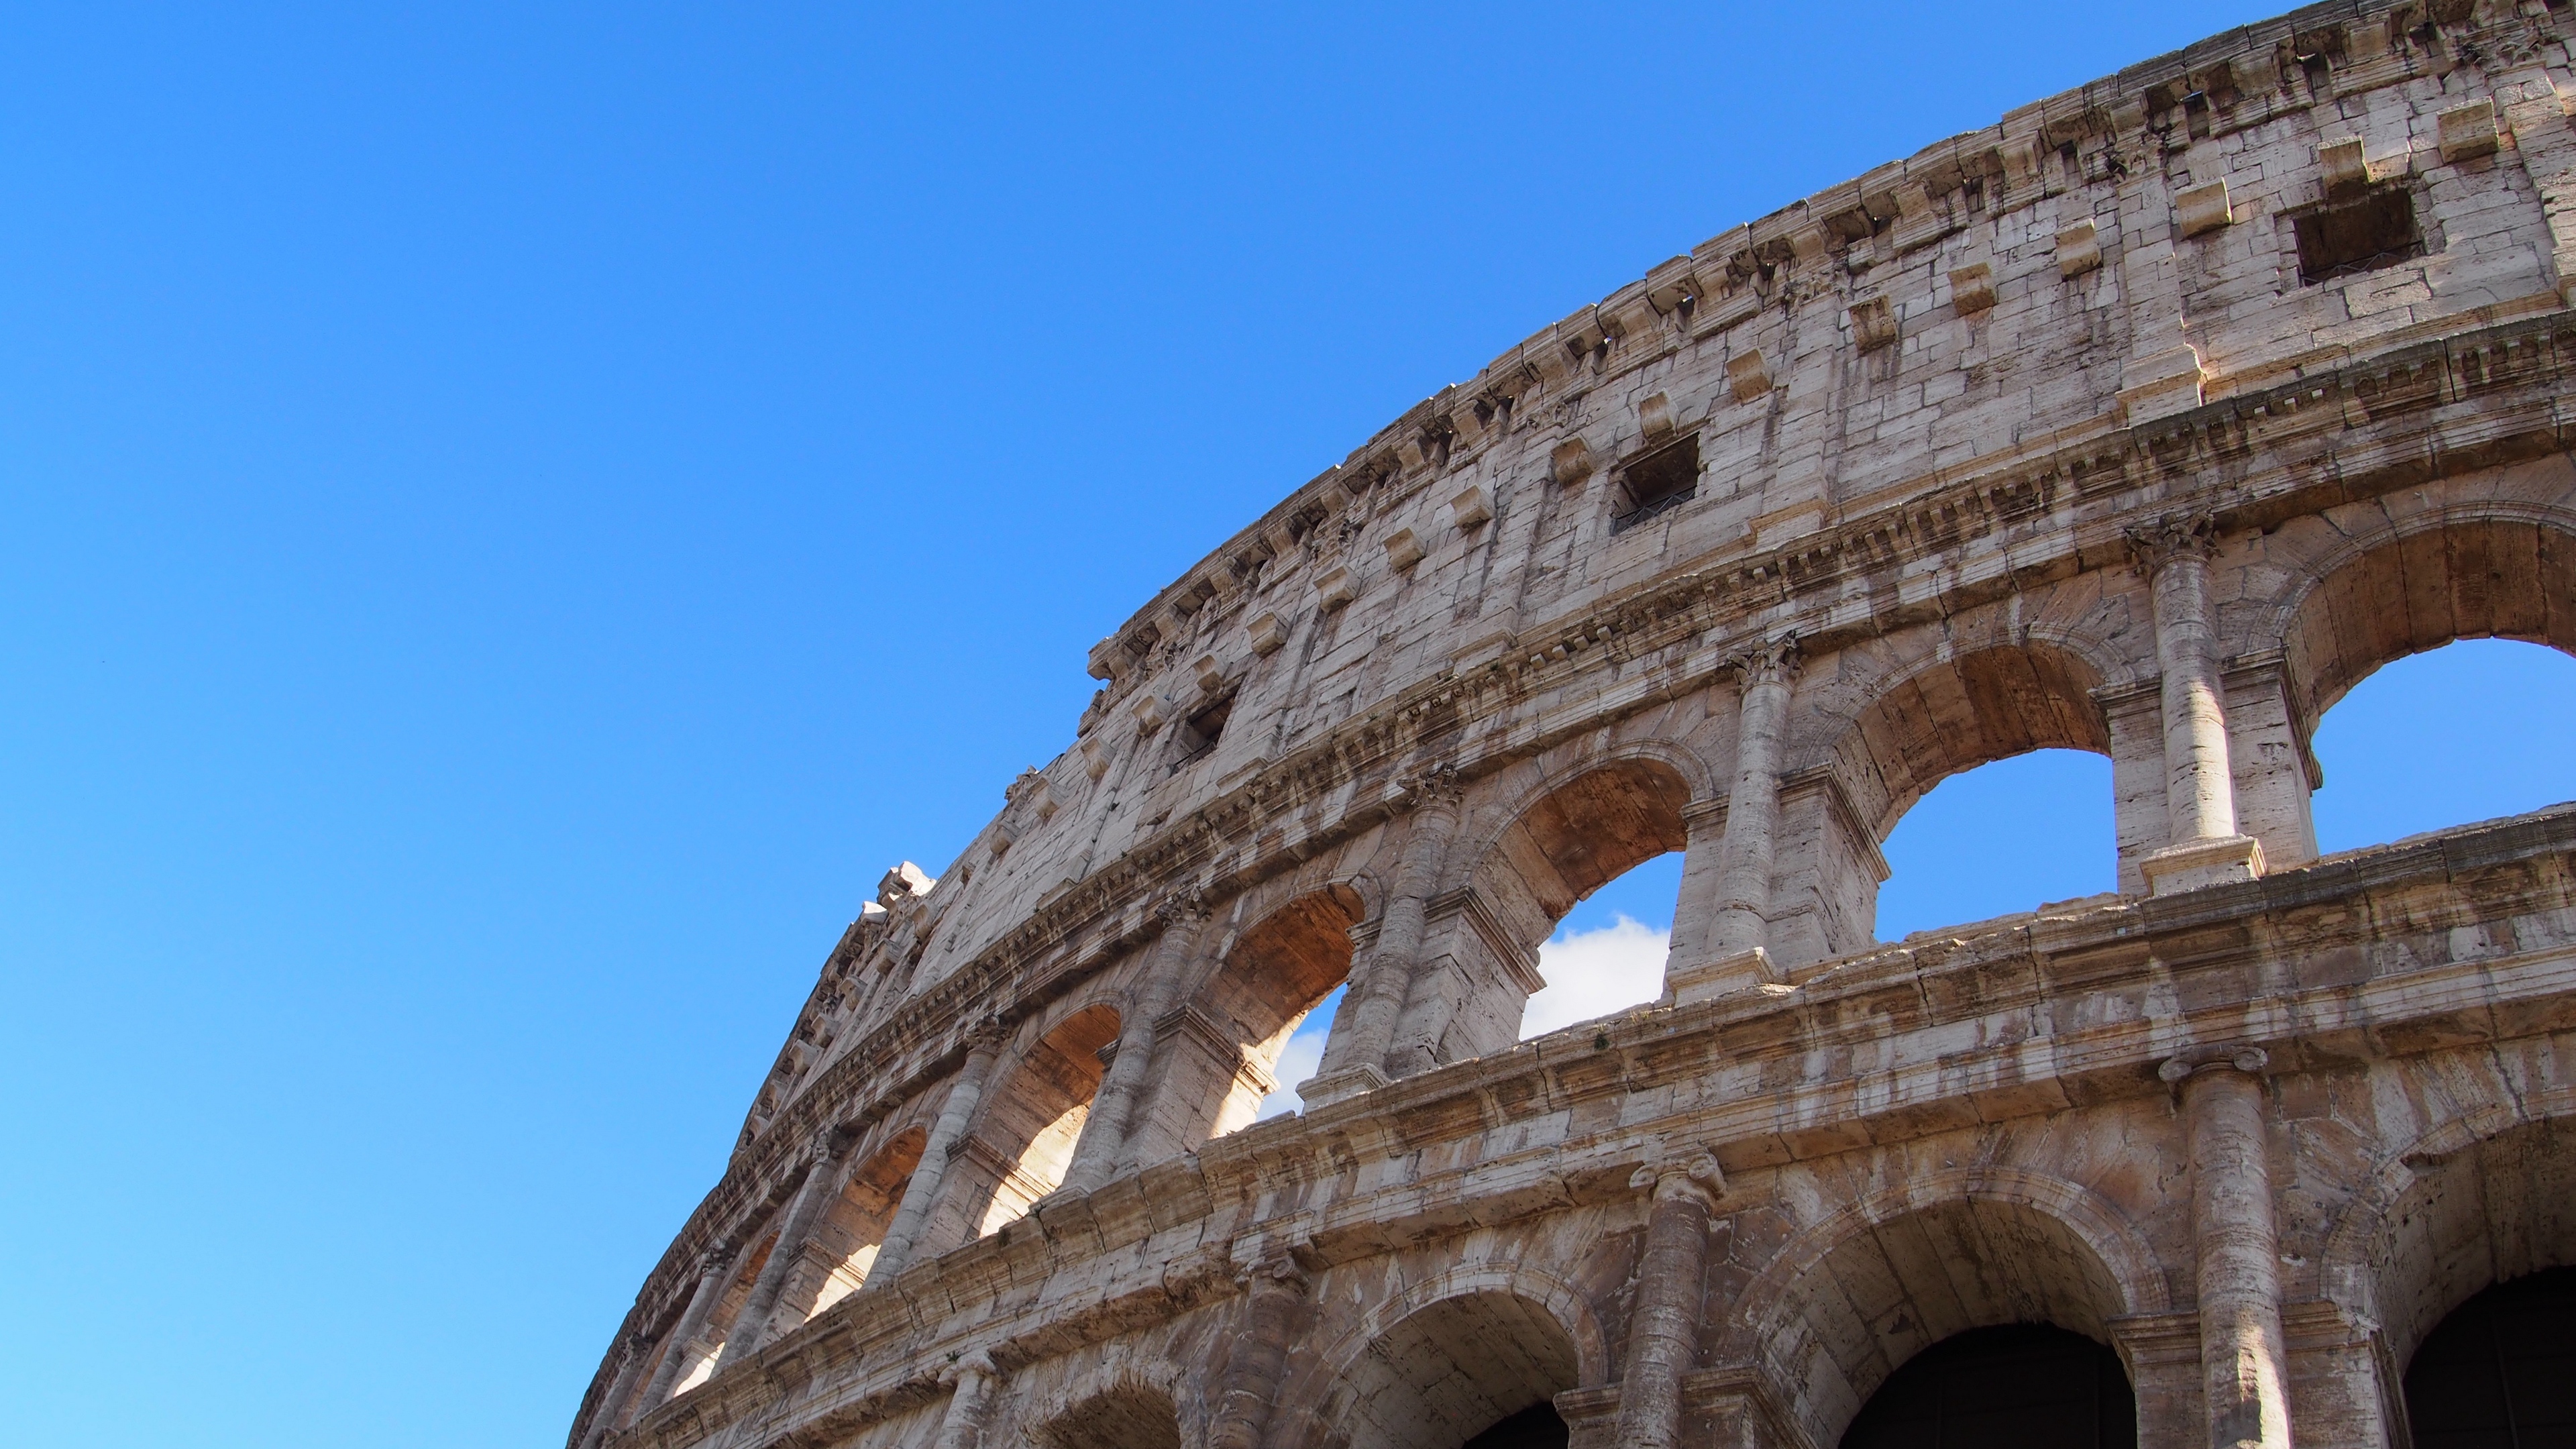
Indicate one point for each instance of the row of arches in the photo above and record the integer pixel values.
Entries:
(1453, 933)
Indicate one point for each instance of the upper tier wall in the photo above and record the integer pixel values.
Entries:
(2108, 256)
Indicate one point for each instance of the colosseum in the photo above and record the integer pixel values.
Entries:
(2145, 422)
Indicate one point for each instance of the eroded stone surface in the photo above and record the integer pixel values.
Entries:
(2145, 422)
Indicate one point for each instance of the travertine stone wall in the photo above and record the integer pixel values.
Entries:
(2055, 435)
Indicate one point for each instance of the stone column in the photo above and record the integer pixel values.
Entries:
(2202, 846)
(612, 1405)
(1102, 1149)
(2242, 1362)
(1734, 957)
(715, 1270)
(1276, 1300)
(1355, 1054)
(822, 1184)
(1695, 905)
(974, 1379)
(1663, 1327)
(922, 1192)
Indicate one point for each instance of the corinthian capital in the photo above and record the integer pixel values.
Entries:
(1775, 662)
(1182, 907)
(2154, 544)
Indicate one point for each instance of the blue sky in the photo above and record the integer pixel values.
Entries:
(515, 517)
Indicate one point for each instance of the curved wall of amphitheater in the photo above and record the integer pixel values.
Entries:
(2145, 422)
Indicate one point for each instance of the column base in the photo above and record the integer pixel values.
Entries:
(1725, 976)
(1325, 1088)
(2197, 863)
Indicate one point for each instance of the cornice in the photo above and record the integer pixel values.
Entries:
(1409, 1172)
(2372, 425)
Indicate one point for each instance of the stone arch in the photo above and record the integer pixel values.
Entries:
(1959, 710)
(1877, 734)
(1126, 1415)
(1853, 1296)
(1078, 1398)
(1438, 1363)
(1025, 1131)
(1221, 1058)
(844, 1242)
(1566, 835)
(2470, 572)
(2479, 1200)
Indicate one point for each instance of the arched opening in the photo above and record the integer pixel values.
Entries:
(2465, 734)
(844, 1244)
(2029, 1385)
(2469, 731)
(1607, 954)
(1226, 1060)
(2043, 826)
(1941, 722)
(1597, 828)
(2500, 1372)
(1456, 1370)
(2499, 1210)
(701, 1357)
(1127, 1417)
(1885, 1294)
(1024, 1140)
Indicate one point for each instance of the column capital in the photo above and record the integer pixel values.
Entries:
(977, 1366)
(1696, 1176)
(2160, 541)
(1771, 662)
(2176, 1069)
(1438, 785)
(1185, 907)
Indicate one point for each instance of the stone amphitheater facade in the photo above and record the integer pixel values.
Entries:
(2146, 422)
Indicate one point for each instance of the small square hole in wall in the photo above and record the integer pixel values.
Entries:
(1198, 734)
(1657, 483)
(2376, 229)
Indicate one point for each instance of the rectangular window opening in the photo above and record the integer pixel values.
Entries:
(2370, 231)
(1199, 733)
(1657, 483)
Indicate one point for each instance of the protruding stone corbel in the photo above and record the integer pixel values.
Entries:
(2469, 131)
(2079, 249)
(1570, 463)
(1403, 549)
(1747, 375)
(1470, 507)
(1267, 634)
(2204, 208)
(1972, 289)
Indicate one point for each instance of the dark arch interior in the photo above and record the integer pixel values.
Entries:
(2027, 1385)
(2500, 1372)
(1537, 1427)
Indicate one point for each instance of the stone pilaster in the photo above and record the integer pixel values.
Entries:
(1695, 904)
(1355, 1054)
(1740, 924)
(1663, 1325)
(715, 1270)
(612, 1405)
(947, 1135)
(2242, 1361)
(2202, 846)
(822, 1184)
(970, 1401)
(1102, 1149)
(1274, 1306)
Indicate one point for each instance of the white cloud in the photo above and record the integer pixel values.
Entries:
(1589, 974)
(1594, 973)
(1297, 1061)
